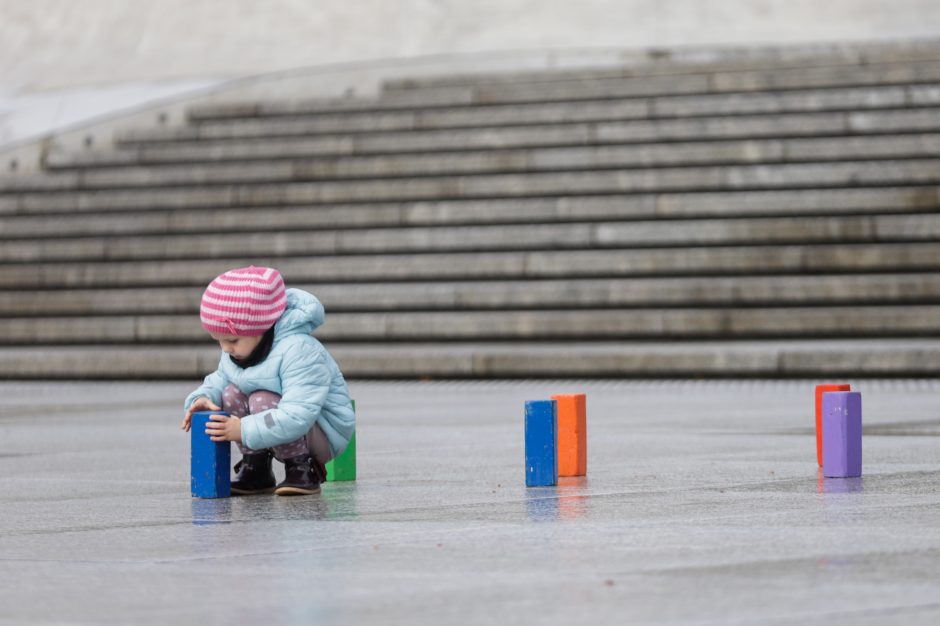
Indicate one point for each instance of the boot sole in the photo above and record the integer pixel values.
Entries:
(295, 491)
(252, 492)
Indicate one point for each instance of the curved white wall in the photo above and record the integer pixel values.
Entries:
(46, 44)
(71, 55)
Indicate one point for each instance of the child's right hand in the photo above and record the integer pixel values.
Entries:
(199, 404)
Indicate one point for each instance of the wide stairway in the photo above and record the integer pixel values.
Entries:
(729, 218)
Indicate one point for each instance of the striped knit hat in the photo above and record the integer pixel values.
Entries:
(245, 302)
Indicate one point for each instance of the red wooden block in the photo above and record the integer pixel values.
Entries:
(572, 434)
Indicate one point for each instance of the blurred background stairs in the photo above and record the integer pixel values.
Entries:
(733, 218)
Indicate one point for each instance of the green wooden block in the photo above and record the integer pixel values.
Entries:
(343, 467)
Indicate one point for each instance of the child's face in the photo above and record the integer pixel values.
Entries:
(238, 347)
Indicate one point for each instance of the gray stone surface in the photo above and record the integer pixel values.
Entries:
(594, 87)
(485, 162)
(229, 142)
(503, 265)
(284, 138)
(568, 207)
(718, 82)
(743, 59)
(584, 324)
(568, 235)
(486, 295)
(758, 208)
(884, 172)
(513, 359)
(702, 505)
(306, 120)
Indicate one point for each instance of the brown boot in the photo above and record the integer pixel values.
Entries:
(253, 475)
(300, 478)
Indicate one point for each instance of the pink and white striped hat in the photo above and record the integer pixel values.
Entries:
(245, 302)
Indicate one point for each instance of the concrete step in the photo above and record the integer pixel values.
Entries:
(511, 226)
(740, 291)
(819, 358)
(567, 236)
(580, 87)
(717, 127)
(742, 260)
(706, 178)
(568, 325)
(290, 121)
(819, 150)
(709, 83)
(689, 61)
(562, 209)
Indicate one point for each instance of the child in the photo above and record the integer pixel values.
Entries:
(284, 391)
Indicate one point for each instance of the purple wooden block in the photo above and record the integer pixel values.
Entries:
(842, 434)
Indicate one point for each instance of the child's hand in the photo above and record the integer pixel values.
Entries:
(224, 428)
(199, 404)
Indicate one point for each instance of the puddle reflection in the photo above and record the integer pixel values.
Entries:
(838, 485)
(336, 501)
(839, 507)
(341, 500)
(211, 511)
(301, 507)
(333, 503)
(572, 503)
(564, 501)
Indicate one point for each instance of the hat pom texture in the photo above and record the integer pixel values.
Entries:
(245, 302)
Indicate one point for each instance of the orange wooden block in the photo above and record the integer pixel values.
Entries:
(820, 390)
(572, 434)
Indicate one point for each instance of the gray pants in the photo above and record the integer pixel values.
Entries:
(239, 404)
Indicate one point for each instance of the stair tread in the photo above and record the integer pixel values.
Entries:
(743, 218)
(859, 357)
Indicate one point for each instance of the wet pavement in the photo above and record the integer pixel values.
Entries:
(702, 505)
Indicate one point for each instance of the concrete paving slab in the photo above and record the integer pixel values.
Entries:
(702, 505)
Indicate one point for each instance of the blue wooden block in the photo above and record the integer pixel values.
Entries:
(842, 434)
(210, 461)
(541, 437)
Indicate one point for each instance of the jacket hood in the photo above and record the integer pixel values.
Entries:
(303, 314)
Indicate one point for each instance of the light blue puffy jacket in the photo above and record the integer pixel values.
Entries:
(312, 389)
